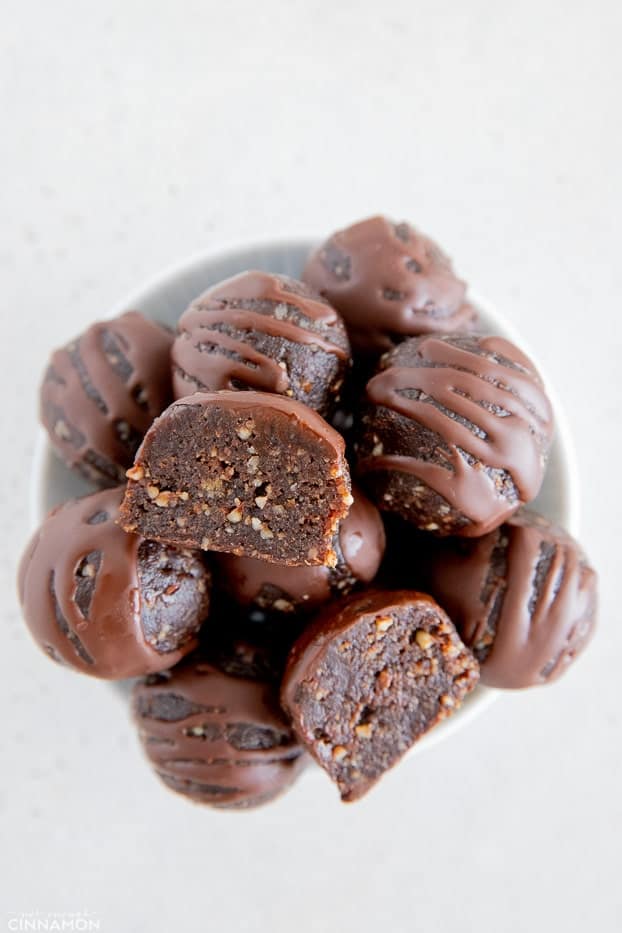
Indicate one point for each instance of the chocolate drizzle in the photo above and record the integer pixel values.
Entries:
(483, 401)
(79, 584)
(223, 337)
(102, 391)
(523, 598)
(389, 282)
(217, 738)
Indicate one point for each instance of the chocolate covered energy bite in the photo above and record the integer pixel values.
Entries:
(105, 602)
(101, 392)
(389, 282)
(248, 473)
(265, 332)
(369, 677)
(455, 433)
(275, 588)
(216, 737)
(523, 598)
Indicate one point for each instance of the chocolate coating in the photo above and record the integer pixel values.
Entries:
(101, 392)
(248, 473)
(523, 598)
(217, 738)
(264, 332)
(389, 282)
(107, 603)
(359, 545)
(370, 676)
(455, 434)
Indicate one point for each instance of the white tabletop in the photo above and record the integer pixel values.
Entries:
(133, 134)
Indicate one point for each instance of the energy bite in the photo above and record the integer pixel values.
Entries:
(523, 597)
(455, 433)
(248, 473)
(107, 603)
(264, 332)
(275, 588)
(388, 281)
(101, 392)
(369, 677)
(216, 737)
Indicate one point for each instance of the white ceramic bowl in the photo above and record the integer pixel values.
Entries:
(164, 299)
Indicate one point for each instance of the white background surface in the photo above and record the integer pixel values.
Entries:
(136, 132)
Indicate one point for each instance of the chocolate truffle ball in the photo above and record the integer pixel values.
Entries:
(264, 332)
(215, 737)
(523, 598)
(369, 677)
(101, 392)
(455, 433)
(388, 281)
(248, 473)
(107, 603)
(275, 588)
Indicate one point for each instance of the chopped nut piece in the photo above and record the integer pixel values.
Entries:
(153, 492)
(234, 516)
(383, 623)
(283, 605)
(260, 501)
(364, 731)
(136, 473)
(423, 639)
(339, 753)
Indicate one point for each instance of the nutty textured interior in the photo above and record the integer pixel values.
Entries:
(377, 688)
(174, 593)
(248, 482)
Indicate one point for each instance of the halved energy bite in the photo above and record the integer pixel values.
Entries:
(105, 603)
(369, 677)
(248, 473)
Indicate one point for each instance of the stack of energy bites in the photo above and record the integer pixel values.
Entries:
(235, 558)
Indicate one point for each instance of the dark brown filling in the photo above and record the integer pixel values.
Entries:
(379, 688)
(243, 482)
(65, 628)
(174, 597)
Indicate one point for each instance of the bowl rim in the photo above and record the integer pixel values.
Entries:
(228, 250)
